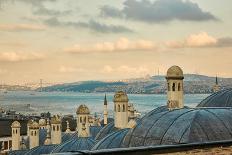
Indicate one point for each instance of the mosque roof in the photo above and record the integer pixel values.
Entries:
(181, 126)
(94, 130)
(44, 149)
(82, 109)
(109, 128)
(222, 98)
(175, 72)
(120, 96)
(75, 144)
(113, 140)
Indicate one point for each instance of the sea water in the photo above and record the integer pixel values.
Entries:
(67, 102)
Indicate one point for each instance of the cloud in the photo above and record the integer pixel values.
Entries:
(45, 11)
(122, 44)
(159, 11)
(19, 56)
(201, 39)
(91, 24)
(65, 69)
(21, 27)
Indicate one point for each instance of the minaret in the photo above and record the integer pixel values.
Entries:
(175, 91)
(216, 87)
(15, 128)
(105, 111)
(68, 127)
(120, 109)
(56, 129)
(48, 140)
(82, 117)
(34, 135)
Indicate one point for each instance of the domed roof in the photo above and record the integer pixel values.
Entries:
(42, 122)
(34, 125)
(175, 72)
(120, 96)
(67, 136)
(75, 144)
(15, 124)
(83, 109)
(45, 149)
(56, 119)
(222, 98)
(113, 140)
(109, 128)
(181, 126)
(30, 121)
(94, 130)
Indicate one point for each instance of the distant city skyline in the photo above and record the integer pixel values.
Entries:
(67, 41)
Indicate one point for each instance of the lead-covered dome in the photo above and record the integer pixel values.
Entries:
(181, 126)
(82, 109)
(222, 98)
(175, 72)
(120, 96)
(113, 140)
(75, 144)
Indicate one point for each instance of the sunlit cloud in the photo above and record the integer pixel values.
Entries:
(19, 56)
(201, 39)
(21, 27)
(122, 44)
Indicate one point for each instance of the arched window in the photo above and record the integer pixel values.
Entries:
(35, 133)
(54, 128)
(168, 86)
(16, 131)
(85, 119)
(13, 131)
(80, 119)
(179, 87)
(58, 128)
(32, 133)
(173, 87)
(123, 108)
(118, 108)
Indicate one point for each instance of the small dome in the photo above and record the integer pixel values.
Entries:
(175, 72)
(222, 98)
(15, 124)
(56, 119)
(181, 126)
(113, 140)
(120, 96)
(42, 122)
(34, 125)
(74, 145)
(82, 109)
(29, 122)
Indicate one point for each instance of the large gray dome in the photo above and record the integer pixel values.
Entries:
(181, 126)
(219, 99)
(75, 144)
(113, 140)
(109, 128)
(94, 130)
(45, 149)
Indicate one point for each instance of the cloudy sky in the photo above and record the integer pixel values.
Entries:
(73, 40)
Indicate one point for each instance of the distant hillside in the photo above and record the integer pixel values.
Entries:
(193, 83)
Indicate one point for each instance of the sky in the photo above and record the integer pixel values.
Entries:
(76, 40)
